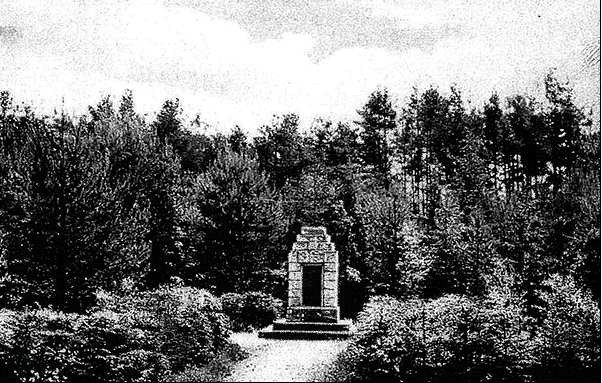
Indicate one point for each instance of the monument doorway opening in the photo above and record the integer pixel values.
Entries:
(312, 285)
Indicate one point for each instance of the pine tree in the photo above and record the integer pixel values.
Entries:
(494, 118)
(85, 227)
(242, 226)
(238, 140)
(168, 123)
(565, 123)
(432, 118)
(378, 125)
(344, 148)
(281, 151)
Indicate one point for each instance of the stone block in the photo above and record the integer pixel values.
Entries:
(330, 297)
(313, 314)
(331, 266)
(330, 302)
(314, 238)
(330, 276)
(311, 230)
(312, 245)
(330, 292)
(311, 257)
(294, 275)
(294, 285)
(331, 285)
(300, 245)
(294, 266)
(299, 255)
(326, 246)
(302, 253)
(322, 238)
(294, 301)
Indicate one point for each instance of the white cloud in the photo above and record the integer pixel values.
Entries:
(82, 50)
(507, 45)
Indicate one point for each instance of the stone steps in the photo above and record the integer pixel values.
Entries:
(270, 333)
(312, 326)
(282, 329)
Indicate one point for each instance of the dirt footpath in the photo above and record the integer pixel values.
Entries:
(284, 360)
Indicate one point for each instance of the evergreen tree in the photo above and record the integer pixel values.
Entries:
(81, 228)
(565, 122)
(378, 125)
(281, 151)
(238, 140)
(168, 123)
(343, 148)
(242, 226)
(493, 137)
(382, 215)
(432, 119)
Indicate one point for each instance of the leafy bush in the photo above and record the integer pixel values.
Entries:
(569, 336)
(141, 366)
(140, 336)
(115, 350)
(47, 345)
(43, 347)
(458, 338)
(453, 338)
(184, 323)
(251, 310)
(8, 321)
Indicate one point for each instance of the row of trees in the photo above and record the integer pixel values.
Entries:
(429, 199)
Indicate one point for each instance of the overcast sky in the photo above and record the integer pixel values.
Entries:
(241, 61)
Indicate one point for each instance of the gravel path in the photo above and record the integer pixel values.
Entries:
(284, 360)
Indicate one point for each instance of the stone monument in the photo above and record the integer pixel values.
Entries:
(313, 294)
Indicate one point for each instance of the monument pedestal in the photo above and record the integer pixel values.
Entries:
(313, 314)
(281, 329)
(313, 275)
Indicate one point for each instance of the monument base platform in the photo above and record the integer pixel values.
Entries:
(313, 314)
(282, 329)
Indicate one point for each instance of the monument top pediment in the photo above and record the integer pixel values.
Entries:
(313, 230)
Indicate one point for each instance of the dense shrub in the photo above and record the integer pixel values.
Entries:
(51, 346)
(569, 336)
(8, 320)
(42, 345)
(251, 310)
(185, 323)
(116, 350)
(141, 365)
(456, 338)
(140, 336)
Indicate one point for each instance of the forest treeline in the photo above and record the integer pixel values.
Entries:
(422, 201)
(427, 200)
